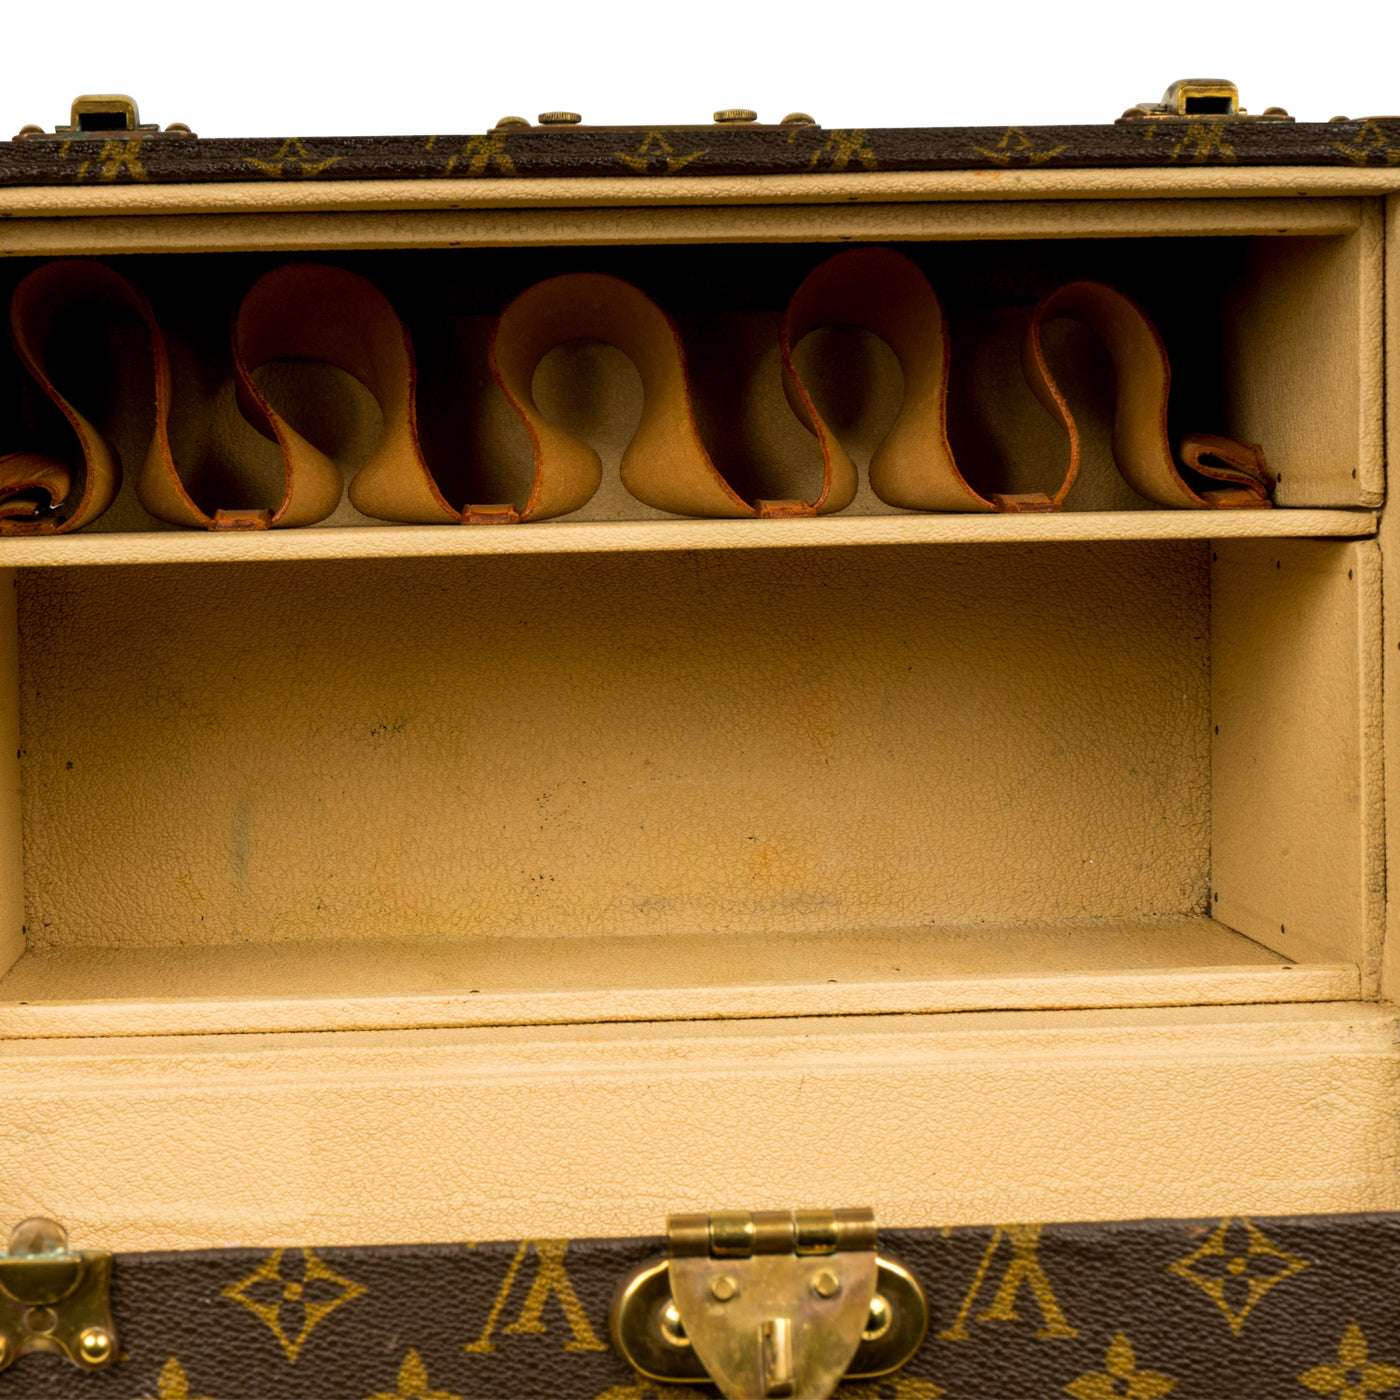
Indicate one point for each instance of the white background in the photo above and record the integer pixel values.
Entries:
(289, 68)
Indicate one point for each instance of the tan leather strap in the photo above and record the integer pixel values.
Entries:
(666, 464)
(78, 288)
(325, 314)
(1141, 445)
(41, 494)
(880, 290)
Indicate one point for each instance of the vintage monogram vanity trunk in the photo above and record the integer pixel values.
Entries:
(643, 705)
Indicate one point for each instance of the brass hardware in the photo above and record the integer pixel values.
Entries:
(511, 121)
(798, 119)
(1200, 99)
(105, 116)
(54, 1300)
(736, 114)
(560, 119)
(769, 1303)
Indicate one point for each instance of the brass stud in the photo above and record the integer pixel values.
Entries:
(1275, 111)
(798, 119)
(4, 1351)
(31, 130)
(878, 1323)
(736, 115)
(724, 1288)
(95, 1345)
(1338, 119)
(560, 118)
(672, 1328)
(180, 126)
(511, 121)
(826, 1284)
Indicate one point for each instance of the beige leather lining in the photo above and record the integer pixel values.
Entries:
(325, 314)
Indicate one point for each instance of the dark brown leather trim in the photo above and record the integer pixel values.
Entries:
(718, 150)
(1239, 1309)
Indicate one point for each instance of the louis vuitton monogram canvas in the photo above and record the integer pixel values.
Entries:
(1233, 1309)
(510, 153)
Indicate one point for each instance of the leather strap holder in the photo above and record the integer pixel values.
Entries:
(324, 314)
(881, 291)
(666, 464)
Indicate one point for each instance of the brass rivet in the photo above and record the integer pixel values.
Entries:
(1275, 111)
(41, 1320)
(1338, 119)
(826, 1284)
(95, 1345)
(724, 1288)
(736, 114)
(31, 130)
(878, 1323)
(799, 119)
(179, 126)
(560, 118)
(4, 1349)
(672, 1328)
(511, 121)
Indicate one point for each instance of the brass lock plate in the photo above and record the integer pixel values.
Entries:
(778, 1304)
(52, 1299)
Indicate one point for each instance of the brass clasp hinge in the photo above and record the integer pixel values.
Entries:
(54, 1300)
(1201, 99)
(769, 1303)
(108, 116)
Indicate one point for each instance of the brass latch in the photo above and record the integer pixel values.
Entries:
(107, 116)
(1201, 99)
(54, 1300)
(769, 1303)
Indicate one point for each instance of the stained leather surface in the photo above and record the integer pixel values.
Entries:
(1234, 1309)
(329, 316)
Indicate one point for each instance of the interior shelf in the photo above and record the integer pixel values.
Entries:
(424, 541)
(370, 984)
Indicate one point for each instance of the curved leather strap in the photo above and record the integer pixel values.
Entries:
(880, 290)
(40, 494)
(666, 464)
(306, 311)
(1141, 444)
(77, 286)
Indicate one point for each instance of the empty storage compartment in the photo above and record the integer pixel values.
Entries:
(686, 784)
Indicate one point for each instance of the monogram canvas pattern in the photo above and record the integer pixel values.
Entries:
(512, 153)
(1233, 1309)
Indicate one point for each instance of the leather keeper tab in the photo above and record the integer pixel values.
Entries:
(785, 510)
(1031, 503)
(240, 520)
(490, 515)
(1236, 498)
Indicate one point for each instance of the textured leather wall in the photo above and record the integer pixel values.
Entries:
(630, 743)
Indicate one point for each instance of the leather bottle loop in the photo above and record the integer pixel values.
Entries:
(1141, 443)
(40, 494)
(327, 315)
(665, 465)
(881, 291)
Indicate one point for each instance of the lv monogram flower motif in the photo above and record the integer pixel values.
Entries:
(1236, 1267)
(1121, 1379)
(413, 1383)
(173, 1384)
(291, 1299)
(1354, 1376)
